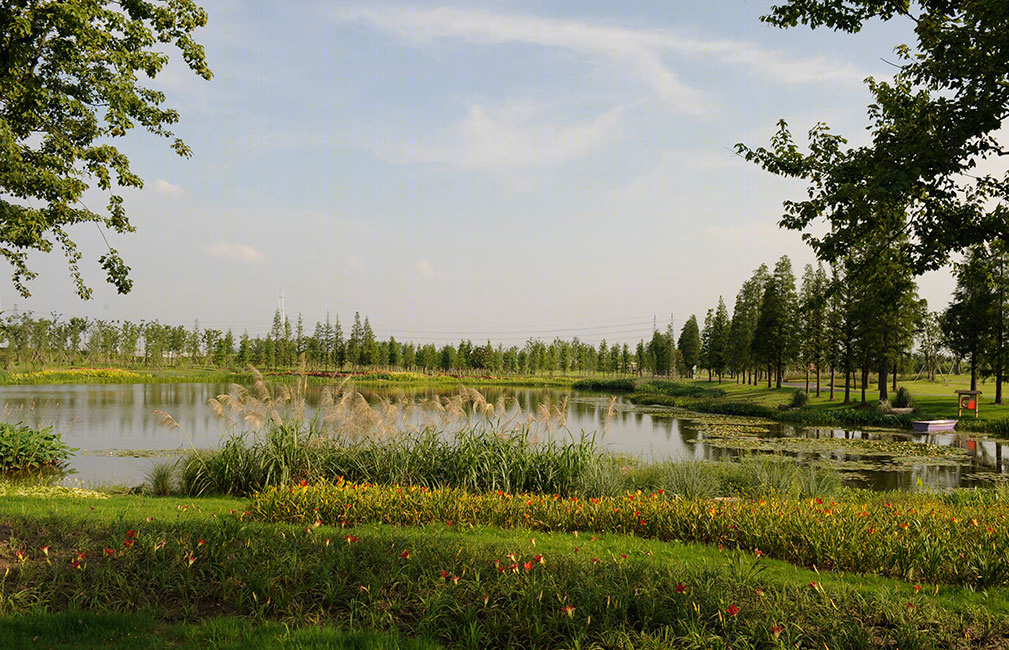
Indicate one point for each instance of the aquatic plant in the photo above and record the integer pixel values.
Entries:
(25, 448)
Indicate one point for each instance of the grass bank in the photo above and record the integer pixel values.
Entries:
(111, 375)
(202, 571)
(931, 401)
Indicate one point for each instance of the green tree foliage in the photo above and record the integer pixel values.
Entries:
(931, 127)
(813, 314)
(774, 339)
(69, 86)
(744, 322)
(974, 325)
(720, 340)
(689, 345)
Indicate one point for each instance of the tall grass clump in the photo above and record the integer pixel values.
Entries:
(463, 440)
(903, 398)
(161, 478)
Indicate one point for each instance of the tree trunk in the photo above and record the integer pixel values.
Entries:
(768, 375)
(999, 357)
(883, 368)
(865, 381)
(973, 371)
(817, 379)
(831, 382)
(807, 377)
(896, 361)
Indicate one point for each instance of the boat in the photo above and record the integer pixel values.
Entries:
(928, 426)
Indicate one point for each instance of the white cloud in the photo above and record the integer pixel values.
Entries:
(162, 186)
(515, 134)
(425, 269)
(639, 50)
(355, 262)
(234, 252)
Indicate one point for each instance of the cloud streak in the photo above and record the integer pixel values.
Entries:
(640, 50)
(515, 134)
(234, 252)
(161, 186)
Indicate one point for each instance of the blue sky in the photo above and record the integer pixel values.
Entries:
(475, 169)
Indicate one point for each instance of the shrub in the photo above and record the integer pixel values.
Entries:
(903, 398)
(24, 448)
(799, 399)
(622, 385)
(680, 389)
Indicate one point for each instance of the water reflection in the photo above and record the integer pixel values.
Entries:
(100, 418)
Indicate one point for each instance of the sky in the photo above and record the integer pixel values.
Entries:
(481, 170)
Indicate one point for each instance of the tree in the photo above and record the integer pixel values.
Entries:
(689, 345)
(720, 339)
(355, 341)
(813, 312)
(706, 354)
(774, 341)
(930, 128)
(969, 322)
(68, 87)
(744, 323)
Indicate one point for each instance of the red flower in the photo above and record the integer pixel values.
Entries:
(569, 610)
(910, 605)
(108, 551)
(776, 631)
(813, 584)
(128, 542)
(595, 560)
(681, 588)
(528, 566)
(732, 610)
(539, 559)
(350, 539)
(444, 574)
(130, 534)
(917, 588)
(405, 555)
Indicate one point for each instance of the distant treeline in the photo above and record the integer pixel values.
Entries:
(860, 321)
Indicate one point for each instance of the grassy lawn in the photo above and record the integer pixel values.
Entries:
(170, 572)
(932, 400)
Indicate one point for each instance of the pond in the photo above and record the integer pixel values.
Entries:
(118, 436)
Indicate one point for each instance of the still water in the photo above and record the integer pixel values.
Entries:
(119, 437)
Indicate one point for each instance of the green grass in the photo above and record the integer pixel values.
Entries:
(262, 584)
(83, 630)
(624, 589)
(932, 401)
